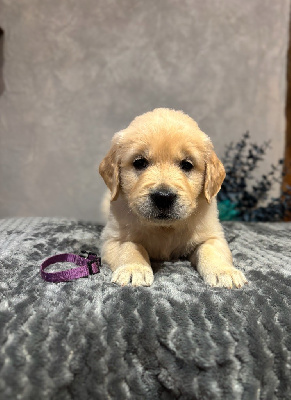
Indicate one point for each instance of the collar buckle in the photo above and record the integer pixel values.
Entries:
(91, 258)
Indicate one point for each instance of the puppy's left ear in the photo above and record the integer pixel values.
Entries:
(109, 170)
(214, 176)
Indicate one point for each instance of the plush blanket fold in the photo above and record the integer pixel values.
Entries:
(178, 339)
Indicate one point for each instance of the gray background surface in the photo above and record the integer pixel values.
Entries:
(76, 72)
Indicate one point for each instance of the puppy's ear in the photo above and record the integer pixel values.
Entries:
(214, 176)
(109, 170)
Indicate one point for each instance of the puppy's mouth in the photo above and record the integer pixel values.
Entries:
(163, 216)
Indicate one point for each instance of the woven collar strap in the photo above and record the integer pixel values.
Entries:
(88, 264)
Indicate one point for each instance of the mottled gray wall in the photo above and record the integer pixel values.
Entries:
(76, 71)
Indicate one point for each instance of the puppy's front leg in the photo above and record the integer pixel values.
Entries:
(213, 261)
(129, 262)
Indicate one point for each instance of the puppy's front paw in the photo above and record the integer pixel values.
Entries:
(139, 275)
(225, 277)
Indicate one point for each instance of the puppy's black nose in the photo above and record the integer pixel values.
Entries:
(163, 198)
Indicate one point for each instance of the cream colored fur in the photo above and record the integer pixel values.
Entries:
(134, 234)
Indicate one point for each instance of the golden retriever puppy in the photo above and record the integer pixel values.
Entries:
(163, 175)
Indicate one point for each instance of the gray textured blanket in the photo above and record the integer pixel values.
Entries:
(179, 339)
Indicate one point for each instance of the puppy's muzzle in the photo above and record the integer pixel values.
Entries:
(163, 200)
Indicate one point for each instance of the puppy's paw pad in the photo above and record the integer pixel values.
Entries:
(227, 277)
(139, 275)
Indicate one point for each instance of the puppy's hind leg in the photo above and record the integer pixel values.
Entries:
(129, 262)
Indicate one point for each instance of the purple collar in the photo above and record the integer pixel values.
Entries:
(88, 264)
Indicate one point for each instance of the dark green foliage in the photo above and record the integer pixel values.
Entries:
(241, 199)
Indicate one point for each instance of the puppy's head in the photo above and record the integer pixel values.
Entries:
(161, 164)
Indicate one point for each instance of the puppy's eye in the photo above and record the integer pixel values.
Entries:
(140, 163)
(186, 165)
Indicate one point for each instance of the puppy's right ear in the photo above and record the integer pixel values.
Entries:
(109, 170)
